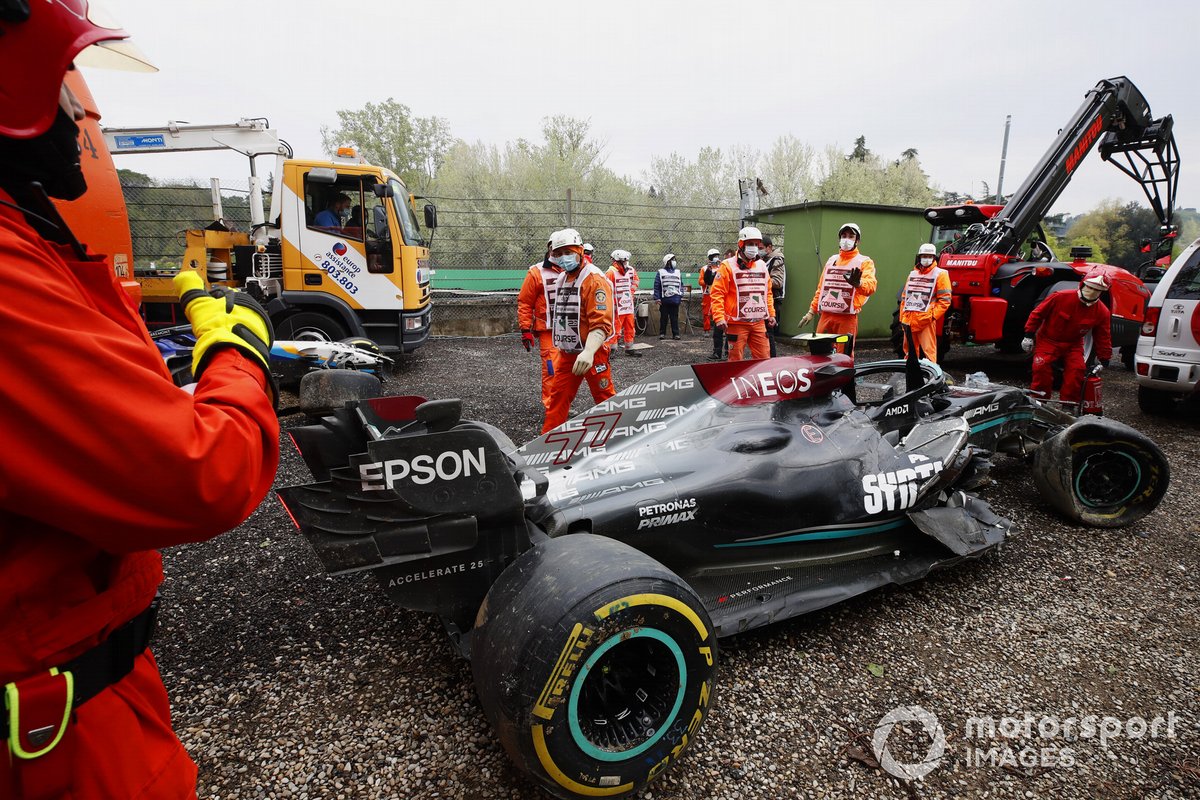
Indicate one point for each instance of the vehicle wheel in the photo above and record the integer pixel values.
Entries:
(595, 680)
(1127, 353)
(1101, 473)
(324, 390)
(309, 326)
(1155, 401)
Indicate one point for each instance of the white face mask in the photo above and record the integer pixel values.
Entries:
(927, 261)
(751, 251)
(1090, 294)
(847, 243)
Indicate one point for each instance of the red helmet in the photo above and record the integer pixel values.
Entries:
(38, 42)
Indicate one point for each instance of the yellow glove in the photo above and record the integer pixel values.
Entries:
(223, 317)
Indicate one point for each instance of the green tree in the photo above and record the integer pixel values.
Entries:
(387, 134)
(860, 151)
(1115, 230)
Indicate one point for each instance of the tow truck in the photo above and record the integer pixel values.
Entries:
(367, 278)
(999, 261)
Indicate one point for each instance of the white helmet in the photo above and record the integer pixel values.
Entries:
(1096, 281)
(620, 255)
(567, 237)
(712, 251)
(853, 227)
(925, 250)
(748, 233)
(668, 258)
(587, 248)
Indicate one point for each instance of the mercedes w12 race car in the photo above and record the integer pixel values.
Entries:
(589, 573)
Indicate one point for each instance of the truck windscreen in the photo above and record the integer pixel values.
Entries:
(404, 212)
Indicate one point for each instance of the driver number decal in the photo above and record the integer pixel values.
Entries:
(896, 490)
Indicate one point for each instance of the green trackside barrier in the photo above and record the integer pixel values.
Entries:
(890, 236)
(501, 279)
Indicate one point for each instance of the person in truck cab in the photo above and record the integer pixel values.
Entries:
(105, 459)
(334, 212)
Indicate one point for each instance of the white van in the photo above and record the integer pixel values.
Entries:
(1167, 362)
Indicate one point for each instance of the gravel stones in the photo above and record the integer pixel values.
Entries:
(287, 683)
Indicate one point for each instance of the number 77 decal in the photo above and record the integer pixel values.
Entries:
(599, 426)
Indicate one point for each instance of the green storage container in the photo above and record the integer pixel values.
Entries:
(890, 237)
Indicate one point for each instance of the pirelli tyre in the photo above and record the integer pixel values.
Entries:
(595, 665)
(1101, 473)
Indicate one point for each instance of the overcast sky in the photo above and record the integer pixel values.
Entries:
(656, 76)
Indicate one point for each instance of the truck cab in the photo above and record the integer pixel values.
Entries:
(340, 254)
(365, 274)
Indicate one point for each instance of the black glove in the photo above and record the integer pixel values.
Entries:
(1104, 362)
(854, 277)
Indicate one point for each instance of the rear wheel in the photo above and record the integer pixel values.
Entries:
(1155, 401)
(595, 681)
(309, 326)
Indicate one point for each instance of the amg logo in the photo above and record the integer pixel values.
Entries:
(617, 403)
(991, 408)
(421, 470)
(625, 487)
(668, 519)
(634, 430)
(892, 491)
(662, 413)
(772, 384)
(663, 386)
(599, 472)
(896, 410)
(1085, 144)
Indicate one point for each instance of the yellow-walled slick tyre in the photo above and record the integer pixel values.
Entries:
(595, 665)
(1101, 473)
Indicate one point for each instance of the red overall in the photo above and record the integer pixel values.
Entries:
(104, 459)
(1059, 324)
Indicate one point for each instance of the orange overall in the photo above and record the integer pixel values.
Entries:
(624, 283)
(742, 303)
(925, 299)
(535, 303)
(104, 460)
(837, 301)
(583, 305)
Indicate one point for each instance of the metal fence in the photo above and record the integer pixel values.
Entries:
(473, 233)
(511, 233)
(160, 214)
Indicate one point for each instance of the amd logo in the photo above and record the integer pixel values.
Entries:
(896, 411)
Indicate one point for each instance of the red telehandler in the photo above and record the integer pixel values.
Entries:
(999, 263)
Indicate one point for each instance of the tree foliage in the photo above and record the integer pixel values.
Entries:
(387, 134)
(1115, 232)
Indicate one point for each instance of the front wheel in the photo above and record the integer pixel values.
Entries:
(309, 326)
(595, 680)
(1101, 473)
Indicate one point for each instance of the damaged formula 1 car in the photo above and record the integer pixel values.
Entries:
(589, 573)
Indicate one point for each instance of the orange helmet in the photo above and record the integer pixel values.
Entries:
(38, 42)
